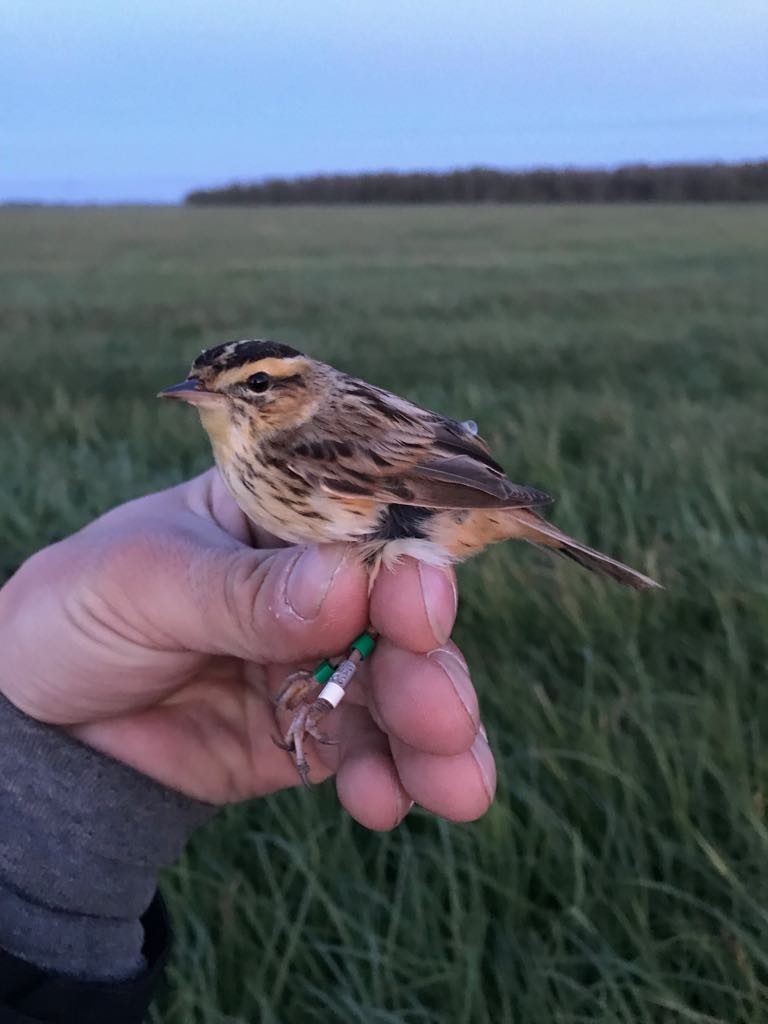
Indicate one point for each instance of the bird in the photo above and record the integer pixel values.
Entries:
(316, 456)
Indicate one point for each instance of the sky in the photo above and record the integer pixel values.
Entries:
(142, 100)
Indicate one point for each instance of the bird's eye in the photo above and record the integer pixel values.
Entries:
(258, 381)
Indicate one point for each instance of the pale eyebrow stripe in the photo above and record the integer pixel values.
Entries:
(276, 368)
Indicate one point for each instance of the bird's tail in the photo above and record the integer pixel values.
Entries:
(538, 531)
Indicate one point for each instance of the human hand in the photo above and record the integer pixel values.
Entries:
(159, 635)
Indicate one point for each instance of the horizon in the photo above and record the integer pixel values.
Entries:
(221, 186)
(114, 106)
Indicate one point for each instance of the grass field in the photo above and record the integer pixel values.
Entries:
(616, 357)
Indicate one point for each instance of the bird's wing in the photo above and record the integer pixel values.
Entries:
(393, 451)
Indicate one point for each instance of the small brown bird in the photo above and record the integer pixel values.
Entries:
(316, 456)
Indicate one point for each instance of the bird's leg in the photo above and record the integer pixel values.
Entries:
(300, 685)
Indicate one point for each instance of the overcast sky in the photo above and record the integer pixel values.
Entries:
(109, 100)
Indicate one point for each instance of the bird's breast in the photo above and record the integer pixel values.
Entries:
(292, 509)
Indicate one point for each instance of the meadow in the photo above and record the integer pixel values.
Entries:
(617, 358)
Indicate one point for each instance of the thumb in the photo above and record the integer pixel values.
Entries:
(282, 605)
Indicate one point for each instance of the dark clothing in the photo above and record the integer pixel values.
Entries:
(29, 995)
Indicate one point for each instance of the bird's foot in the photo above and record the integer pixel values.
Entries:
(300, 693)
(298, 688)
(305, 723)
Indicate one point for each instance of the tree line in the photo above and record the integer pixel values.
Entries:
(715, 182)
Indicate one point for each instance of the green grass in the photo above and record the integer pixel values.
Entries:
(613, 356)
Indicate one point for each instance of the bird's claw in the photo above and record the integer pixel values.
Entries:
(296, 689)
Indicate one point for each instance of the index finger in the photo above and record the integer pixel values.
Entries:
(414, 605)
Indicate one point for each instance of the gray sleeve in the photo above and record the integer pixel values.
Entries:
(82, 839)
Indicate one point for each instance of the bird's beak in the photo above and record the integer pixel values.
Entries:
(192, 391)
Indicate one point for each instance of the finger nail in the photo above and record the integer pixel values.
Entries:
(310, 578)
(459, 677)
(481, 752)
(403, 804)
(441, 613)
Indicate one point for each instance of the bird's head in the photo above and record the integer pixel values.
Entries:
(260, 386)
